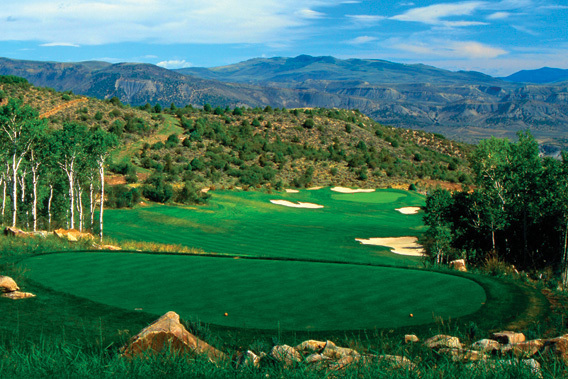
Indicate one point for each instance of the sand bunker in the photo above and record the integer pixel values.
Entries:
(408, 210)
(291, 190)
(349, 190)
(398, 245)
(287, 203)
(314, 188)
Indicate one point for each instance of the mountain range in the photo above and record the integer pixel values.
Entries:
(466, 105)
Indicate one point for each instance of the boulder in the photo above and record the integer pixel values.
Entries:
(411, 338)
(285, 354)
(459, 355)
(8, 284)
(17, 295)
(168, 333)
(523, 349)
(15, 232)
(486, 345)
(311, 346)
(72, 235)
(249, 359)
(558, 347)
(458, 264)
(508, 337)
(332, 351)
(441, 341)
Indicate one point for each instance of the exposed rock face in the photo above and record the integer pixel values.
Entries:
(8, 284)
(443, 341)
(508, 337)
(72, 235)
(168, 333)
(486, 345)
(17, 295)
(411, 338)
(9, 289)
(458, 264)
(285, 354)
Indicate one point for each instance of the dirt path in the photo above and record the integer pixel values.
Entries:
(62, 107)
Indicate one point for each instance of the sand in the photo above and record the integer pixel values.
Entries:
(287, 203)
(314, 188)
(349, 190)
(398, 245)
(408, 210)
(288, 190)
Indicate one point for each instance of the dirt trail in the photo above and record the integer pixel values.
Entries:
(62, 107)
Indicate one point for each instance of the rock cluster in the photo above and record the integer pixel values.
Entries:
(10, 290)
(322, 356)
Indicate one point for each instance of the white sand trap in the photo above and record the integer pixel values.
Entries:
(350, 190)
(314, 188)
(408, 210)
(398, 245)
(288, 190)
(287, 203)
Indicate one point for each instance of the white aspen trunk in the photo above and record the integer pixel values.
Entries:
(102, 179)
(4, 184)
(23, 185)
(80, 206)
(70, 176)
(91, 203)
(49, 205)
(14, 191)
(34, 206)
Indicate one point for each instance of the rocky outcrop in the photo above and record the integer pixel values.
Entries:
(442, 341)
(10, 289)
(458, 264)
(168, 334)
(72, 235)
(15, 232)
(508, 337)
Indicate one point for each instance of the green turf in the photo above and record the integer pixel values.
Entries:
(246, 223)
(260, 294)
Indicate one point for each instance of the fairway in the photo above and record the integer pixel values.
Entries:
(260, 294)
(248, 224)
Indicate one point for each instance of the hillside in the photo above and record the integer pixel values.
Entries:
(254, 147)
(542, 75)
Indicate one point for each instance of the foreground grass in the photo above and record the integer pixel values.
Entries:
(60, 335)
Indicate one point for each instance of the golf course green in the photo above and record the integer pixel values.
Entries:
(248, 224)
(260, 294)
(271, 263)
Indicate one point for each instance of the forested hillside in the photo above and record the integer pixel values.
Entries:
(170, 154)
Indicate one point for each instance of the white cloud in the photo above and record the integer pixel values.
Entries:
(94, 22)
(308, 13)
(361, 40)
(57, 44)
(434, 14)
(174, 64)
(365, 19)
(498, 16)
(452, 49)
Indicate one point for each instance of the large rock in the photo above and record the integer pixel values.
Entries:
(508, 337)
(442, 341)
(72, 235)
(168, 333)
(311, 346)
(8, 284)
(558, 346)
(249, 359)
(411, 338)
(285, 354)
(332, 351)
(458, 264)
(487, 345)
(17, 295)
(523, 349)
(15, 232)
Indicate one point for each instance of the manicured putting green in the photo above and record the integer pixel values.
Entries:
(247, 223)
(260, 294)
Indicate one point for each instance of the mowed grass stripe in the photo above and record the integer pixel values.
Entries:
(246, 223)
(260, 294)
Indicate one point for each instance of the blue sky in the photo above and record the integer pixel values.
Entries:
(497, 37)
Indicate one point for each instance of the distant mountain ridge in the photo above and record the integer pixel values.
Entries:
(540, 76)
(464, 105)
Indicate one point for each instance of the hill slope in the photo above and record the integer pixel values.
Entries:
(542, 75)
(464, 105)
(257, 147)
